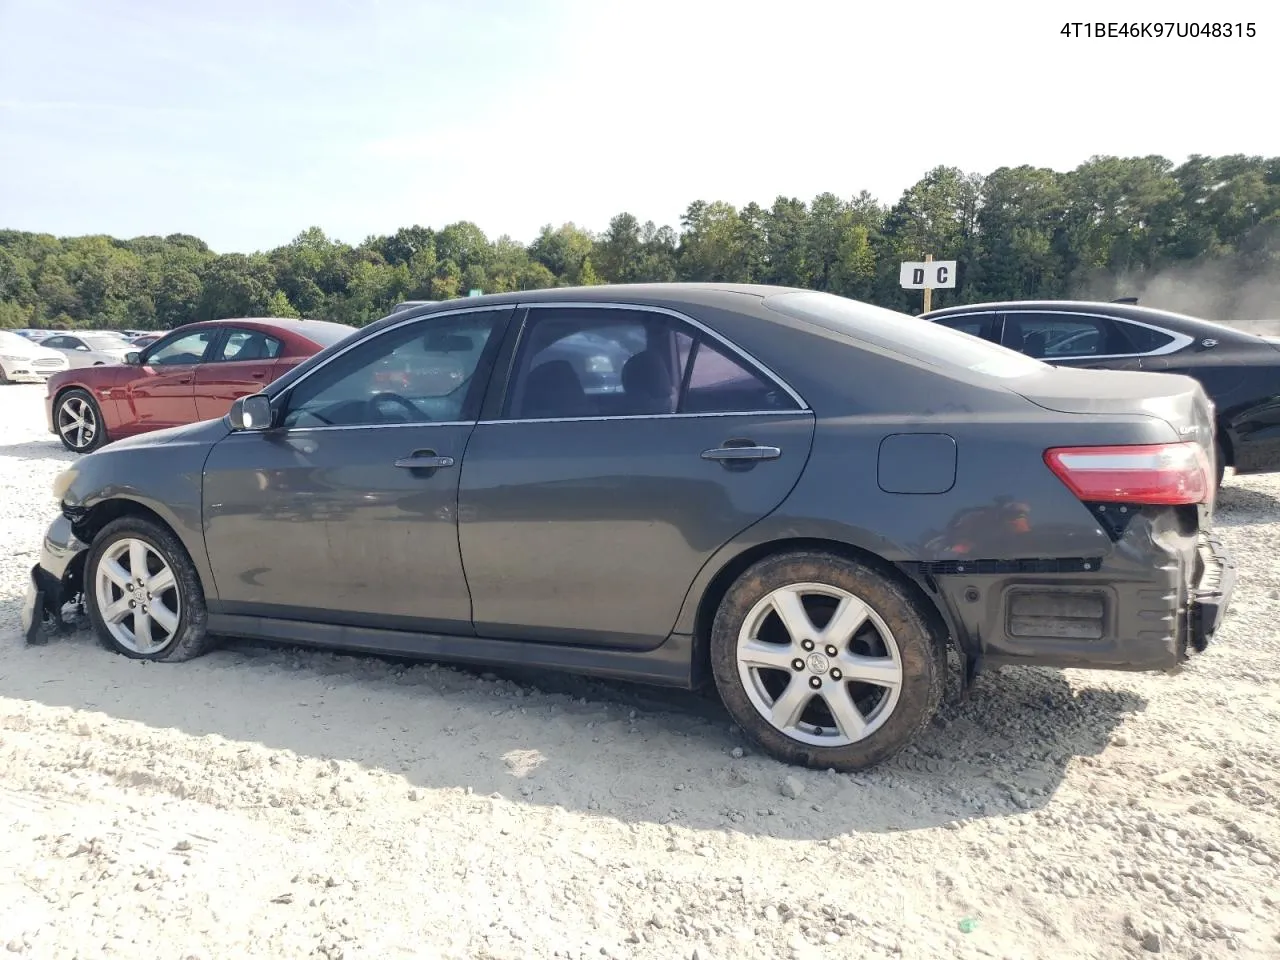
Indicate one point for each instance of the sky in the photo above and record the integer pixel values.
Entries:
(244, 122)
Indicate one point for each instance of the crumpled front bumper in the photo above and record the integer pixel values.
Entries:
(55, 581)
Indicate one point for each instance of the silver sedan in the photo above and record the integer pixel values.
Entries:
(89, 349)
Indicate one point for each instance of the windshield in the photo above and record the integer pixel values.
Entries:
(909, 336)
(106, 343)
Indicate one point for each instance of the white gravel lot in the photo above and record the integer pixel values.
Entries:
(274, 802)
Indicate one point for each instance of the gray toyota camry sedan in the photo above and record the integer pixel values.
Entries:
(800, 498)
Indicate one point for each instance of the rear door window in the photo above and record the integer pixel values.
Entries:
(1063, 336)
(583, 362)
(244, 345)
(578, 362)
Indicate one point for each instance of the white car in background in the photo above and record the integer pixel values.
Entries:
(22, 360)
(89, 349)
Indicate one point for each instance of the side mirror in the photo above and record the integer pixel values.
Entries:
(251, 413)
(133, 358)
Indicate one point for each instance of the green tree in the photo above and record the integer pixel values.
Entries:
(1111, 224)
(279, 306)
(562, 251)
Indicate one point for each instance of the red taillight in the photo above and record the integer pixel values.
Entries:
(1156, 474)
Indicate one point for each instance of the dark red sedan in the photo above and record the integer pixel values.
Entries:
(190, 374)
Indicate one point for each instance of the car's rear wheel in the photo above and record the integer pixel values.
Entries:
(78, 419)
(143, 593)
(826, 662)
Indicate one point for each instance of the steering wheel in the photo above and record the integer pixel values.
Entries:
(415, 415)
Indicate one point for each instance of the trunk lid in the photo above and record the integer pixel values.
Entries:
(1178, 400)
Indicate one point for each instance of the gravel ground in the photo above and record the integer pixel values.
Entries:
(275, 802)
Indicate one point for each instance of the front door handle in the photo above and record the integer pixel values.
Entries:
(424, 460)
(742, 453)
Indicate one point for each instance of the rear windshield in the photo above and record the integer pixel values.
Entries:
(326, 334)
(909, 336)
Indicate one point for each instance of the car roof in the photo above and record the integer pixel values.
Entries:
(1177, 322)
(726, 295)
(290, 324)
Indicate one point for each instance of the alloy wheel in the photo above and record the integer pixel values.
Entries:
(138, 596)
(77, 422)
(819, 664)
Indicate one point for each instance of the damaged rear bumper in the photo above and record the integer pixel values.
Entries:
(1211, 595)
(55, 581)
(1161, 597)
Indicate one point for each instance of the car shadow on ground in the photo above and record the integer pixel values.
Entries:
(42, 450)
(1240, 506)
(635, 753)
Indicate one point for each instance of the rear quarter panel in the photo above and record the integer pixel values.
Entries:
(1004, 503)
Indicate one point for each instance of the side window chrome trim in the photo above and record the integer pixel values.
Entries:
(379, 335)
(490, 423)
(806, 412)
(290, 431)
(733, 348)
(1179, 341)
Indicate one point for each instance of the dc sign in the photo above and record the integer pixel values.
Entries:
(928, 275)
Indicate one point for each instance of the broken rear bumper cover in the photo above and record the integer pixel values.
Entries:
(55, 580)
(1149, 606)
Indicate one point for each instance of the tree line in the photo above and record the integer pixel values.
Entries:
(1018, 232)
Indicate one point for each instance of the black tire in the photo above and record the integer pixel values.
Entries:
(100, 430)
(921, 649)
(1221, 459)
(190, 638)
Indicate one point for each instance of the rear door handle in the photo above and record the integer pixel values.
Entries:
(742, 453)
(424, 460)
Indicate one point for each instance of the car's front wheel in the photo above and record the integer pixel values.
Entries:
(78, 419)
(826, 662)
(143, 593)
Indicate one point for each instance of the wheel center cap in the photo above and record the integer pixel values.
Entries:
(817, 663)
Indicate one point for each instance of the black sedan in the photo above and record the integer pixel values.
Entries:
(1239, 371)
(800, 498)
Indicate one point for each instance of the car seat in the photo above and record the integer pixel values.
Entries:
(553, 389)
(647, 385)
